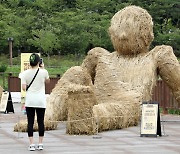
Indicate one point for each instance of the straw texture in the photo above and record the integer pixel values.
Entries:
(21, 126)
(110, 116)
(131, 30)
(168, 68)
(80, 112)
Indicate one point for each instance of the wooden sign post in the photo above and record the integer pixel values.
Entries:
(150, 120)
(6, 105)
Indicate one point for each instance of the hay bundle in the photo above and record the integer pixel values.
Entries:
(21, 126)
(80, 112)
(56, 109)
(110, 116)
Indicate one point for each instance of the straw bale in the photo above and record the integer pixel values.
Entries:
(21, 126)
(80, 112)
(110, 116)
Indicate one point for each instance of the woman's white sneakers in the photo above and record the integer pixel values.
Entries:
(32, 147)
(40, 147)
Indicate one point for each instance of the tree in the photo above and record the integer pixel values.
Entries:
(73, 25)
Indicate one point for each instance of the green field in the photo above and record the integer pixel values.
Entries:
(55, 65)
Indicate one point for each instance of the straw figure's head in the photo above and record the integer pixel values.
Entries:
(131, 31)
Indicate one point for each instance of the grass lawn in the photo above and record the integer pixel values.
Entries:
(54, 64)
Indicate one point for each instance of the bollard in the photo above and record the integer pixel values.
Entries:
(97, 136)
(18, 128)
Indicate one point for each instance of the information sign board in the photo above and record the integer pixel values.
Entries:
(150, 120)
(4, 101)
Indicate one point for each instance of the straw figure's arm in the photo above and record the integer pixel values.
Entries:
(169, 68)
(74, 80)
(91, 61)
(77, 102)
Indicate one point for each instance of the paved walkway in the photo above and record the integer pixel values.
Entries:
(127, 141)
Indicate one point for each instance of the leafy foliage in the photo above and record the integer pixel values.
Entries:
(3, 68)
(75, 26)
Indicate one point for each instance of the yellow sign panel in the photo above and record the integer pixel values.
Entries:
(24, 66)
(25, 61)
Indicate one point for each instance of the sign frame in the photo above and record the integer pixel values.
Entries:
(6, 104)
(150, 120)
(4, 101)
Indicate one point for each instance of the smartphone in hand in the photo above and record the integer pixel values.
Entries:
(41, 62)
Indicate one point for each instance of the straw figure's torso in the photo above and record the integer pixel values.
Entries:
(119, 77)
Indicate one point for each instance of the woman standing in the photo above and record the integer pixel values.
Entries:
(35, 79)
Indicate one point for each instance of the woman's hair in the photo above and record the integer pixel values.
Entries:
(34, 59)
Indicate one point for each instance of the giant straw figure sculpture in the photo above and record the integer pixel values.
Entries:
(107, 89)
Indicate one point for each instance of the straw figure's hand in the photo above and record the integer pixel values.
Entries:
(91, 61)
(168, 68)
(75, 88)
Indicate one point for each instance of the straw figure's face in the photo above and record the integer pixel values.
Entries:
(131, 30)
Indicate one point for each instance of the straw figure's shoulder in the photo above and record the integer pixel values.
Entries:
(165, 59)
(163, 56)
(94, 54)
(91, 60)
(162, 50)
